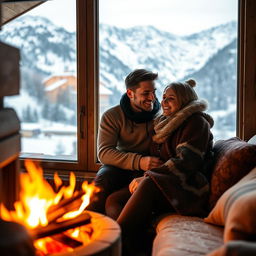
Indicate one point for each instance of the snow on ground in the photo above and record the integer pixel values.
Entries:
(49, 139)
(43, 146)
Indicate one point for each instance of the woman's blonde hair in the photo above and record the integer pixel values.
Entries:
(184, 91)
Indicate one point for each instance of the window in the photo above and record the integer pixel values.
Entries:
(47, 103)
(179, 39)
(99, 79)
(50, 105)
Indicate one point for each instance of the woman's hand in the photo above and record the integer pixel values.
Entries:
(134, 184)
(149, 162)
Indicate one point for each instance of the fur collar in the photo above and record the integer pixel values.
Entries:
(164, 126)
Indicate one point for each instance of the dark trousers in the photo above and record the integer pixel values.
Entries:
(135, 214)
(110, 179)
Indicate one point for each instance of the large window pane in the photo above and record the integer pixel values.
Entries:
(179, 39)
(47, 104)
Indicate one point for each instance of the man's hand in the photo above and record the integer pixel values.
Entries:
(149, 162)
(135, 183)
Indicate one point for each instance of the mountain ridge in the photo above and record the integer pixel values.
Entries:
(209, 56)
(49, 48)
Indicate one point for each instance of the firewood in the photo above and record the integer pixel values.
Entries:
(67, 240)
(59, 227)
(59, 210)
(66, 201)
(9, 70)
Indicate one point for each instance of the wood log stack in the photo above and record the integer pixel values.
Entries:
(9, 125)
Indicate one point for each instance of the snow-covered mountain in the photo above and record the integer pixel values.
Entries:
(209, 56)
(217, 78)
(172, 56)
(45, 47)
(217, 83)
(51, 49)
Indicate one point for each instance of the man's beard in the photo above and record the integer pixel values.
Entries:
(144, 109)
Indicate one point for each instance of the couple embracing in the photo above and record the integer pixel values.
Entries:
(154, 155)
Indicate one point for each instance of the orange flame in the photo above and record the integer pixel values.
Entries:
(36, 196)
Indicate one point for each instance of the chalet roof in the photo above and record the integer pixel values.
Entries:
(58, 75)
(13, 9)
(55, 85)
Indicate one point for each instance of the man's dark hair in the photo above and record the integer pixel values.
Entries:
(137, 76)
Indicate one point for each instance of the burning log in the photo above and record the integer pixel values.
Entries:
(58, 227)
(67, 240)
(64, 206)
(66, 201)
(43, 219)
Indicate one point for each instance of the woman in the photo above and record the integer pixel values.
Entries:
(183, 141)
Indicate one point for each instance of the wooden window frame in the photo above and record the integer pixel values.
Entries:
(87, 96)
(246, 98)
(88, 89)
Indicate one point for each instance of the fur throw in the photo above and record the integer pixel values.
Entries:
(164, 126)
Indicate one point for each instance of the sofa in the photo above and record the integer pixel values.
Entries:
(230, 227)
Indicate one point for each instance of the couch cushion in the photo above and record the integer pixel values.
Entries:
(185, 236)
(252, 140)
(235, 248)
(236, 209)
(234, 158)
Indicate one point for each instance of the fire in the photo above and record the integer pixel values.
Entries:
(37, 196)
(89, 190)
(48, 245)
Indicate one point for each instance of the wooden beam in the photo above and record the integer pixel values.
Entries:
(11, 11)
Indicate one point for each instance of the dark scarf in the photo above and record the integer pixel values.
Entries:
(138, 117)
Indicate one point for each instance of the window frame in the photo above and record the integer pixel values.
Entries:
(246, 98)
(88, 88)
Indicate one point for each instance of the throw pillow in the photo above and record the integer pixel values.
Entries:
(234, 158)
(236, 210)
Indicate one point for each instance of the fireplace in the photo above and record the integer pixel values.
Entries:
(56, 220)
(103, 232)
(104, 239)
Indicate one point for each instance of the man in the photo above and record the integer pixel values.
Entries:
(124, 137)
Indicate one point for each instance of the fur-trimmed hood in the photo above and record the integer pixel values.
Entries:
(164, 126)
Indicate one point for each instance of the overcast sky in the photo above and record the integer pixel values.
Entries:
(176, 16)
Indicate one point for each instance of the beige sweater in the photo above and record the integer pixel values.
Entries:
(122, 142)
